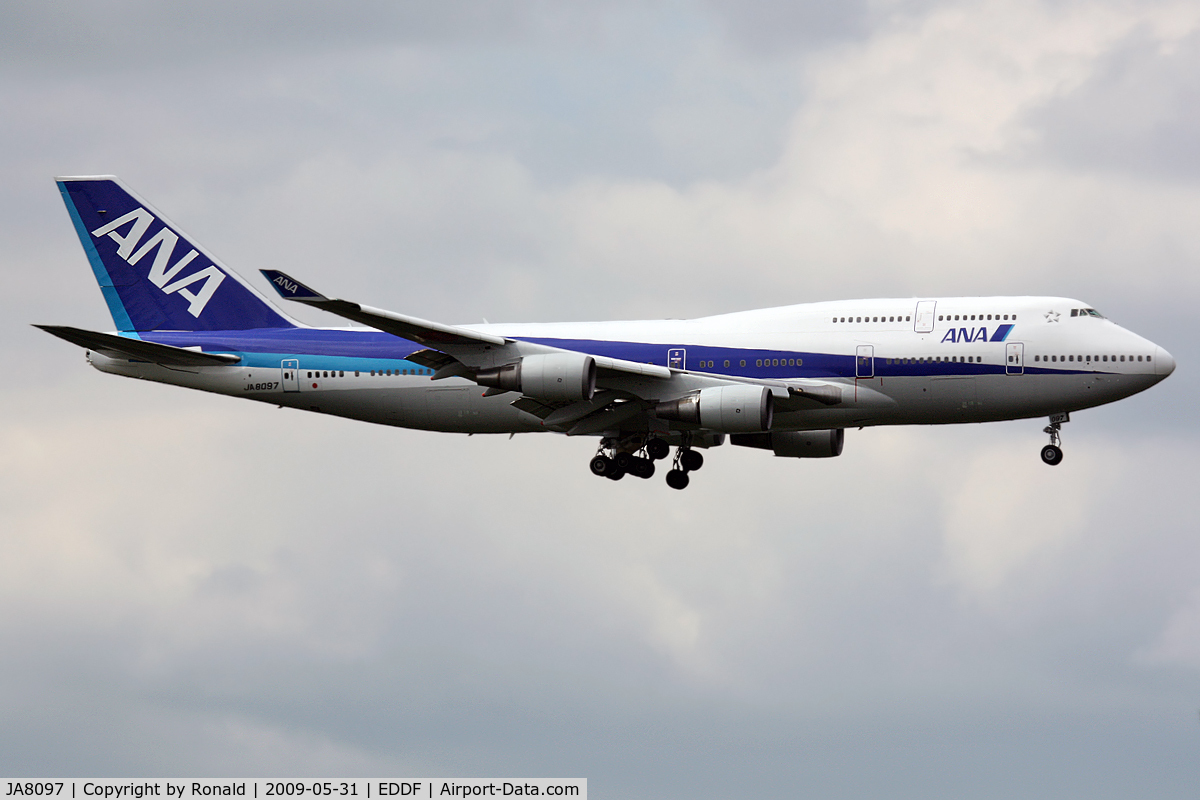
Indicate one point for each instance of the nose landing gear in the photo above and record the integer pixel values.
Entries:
(1052, 454)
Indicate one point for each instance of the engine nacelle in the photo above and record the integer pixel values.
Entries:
(554, 376)
(795, 444)
(729, 409)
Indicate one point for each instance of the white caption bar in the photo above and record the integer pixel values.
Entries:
(125, 789)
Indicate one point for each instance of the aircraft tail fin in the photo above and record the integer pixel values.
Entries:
(152, 275)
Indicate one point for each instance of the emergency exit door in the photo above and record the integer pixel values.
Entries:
(864, 362)
(924, 317)
(1014, 362)
(289, 370)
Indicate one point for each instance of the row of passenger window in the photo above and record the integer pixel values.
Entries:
(401, 372)
(338, 373)
(937, 360)
(941, 318)
(896, 318)
(759, 362)
(973, 317)
(1089, 359)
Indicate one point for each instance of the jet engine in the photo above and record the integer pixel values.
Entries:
(729, 409)
(795, 444)
(553, 376)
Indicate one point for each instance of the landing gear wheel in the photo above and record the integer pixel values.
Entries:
(657, 449)
(642, 468)
(601, 465)
(625, 461)
(616, 474)
(677, 479)
(1052, 454)
(690, 460)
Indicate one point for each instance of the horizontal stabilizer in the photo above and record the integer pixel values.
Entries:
(414, 329)
(137, 349)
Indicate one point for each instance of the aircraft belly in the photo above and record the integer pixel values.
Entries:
(954, 399)
(464, 409)
(452, 408)
(980, 398)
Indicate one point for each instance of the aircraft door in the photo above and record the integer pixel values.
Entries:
(923, 319)
(677, 359)
(289, 370)
(864, 363)
(1014, 363)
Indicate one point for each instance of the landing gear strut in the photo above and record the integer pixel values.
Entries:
(686, 460)
(1052, 454)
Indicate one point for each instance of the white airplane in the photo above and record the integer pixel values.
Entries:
(789, 380)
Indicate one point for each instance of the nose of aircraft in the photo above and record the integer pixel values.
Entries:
(1164, 362)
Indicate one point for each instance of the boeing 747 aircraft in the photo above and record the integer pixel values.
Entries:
(787, 380)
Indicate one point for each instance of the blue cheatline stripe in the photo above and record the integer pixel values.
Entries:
(111, 297)
(813, 365)
(1001, 333)
(317, 363)
(364, 350)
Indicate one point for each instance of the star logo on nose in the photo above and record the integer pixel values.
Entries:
(1052, 316)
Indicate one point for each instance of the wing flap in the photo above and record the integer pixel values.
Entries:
(577, 411)
(531, 405)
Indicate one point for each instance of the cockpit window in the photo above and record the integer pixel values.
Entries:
(1094, 313)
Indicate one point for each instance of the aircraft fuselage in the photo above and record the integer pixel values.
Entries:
(980, 360)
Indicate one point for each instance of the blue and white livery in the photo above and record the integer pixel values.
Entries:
(789, 380)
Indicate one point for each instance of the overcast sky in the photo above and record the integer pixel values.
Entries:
(195, 586)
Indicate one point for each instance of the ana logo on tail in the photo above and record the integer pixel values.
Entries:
(162, 272)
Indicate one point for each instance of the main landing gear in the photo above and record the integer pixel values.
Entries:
(616, 459)
(624, 459)
(1052, 454)
(686, 460)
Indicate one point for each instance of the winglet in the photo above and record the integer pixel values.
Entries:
(289, 288)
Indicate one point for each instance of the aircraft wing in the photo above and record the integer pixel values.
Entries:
(434, 335)
(137, 349)
(414, 329)
(450, 351)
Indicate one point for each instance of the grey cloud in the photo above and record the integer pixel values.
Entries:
(1139, 113)
(359, 616)
(777, 27)
(197, 586)
(134, 34)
